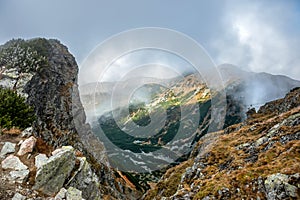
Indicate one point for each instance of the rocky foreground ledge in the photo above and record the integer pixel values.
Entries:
(32, 170)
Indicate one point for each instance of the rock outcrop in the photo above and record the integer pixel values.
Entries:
(278, 186)
(52, 91)
(51, 176)
(65, 174)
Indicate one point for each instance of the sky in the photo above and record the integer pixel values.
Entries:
(253, 35)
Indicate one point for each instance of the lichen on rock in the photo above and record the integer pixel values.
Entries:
(51, 176)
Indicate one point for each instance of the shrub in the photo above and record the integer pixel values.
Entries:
(14, 112)
(24, 56)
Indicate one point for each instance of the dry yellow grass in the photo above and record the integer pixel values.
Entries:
(239, 173)
(13, 131)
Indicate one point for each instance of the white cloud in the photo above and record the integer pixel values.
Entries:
(153, 63)
(255, 38)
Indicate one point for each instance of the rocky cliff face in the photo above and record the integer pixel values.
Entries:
(60, 119)
(50, 93)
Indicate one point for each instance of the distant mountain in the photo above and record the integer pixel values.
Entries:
(97, 97)
(255, 89)
(243, 90)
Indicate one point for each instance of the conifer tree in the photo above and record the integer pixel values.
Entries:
(14, 112)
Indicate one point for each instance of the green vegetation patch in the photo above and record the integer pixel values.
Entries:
(14, 112)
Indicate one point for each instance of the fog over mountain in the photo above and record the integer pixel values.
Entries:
(258, 88)
(254, 89)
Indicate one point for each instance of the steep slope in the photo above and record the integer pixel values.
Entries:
(255, 159)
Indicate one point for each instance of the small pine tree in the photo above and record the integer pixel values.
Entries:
(14, 112)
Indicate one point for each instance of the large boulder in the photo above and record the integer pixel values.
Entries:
(51, 176)
(278, 187)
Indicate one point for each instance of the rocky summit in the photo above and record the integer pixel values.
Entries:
(51, 89)
(53, 153)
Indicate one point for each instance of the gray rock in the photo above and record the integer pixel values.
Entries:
(277, 187)
(7, 148)
(9, 79)
(50, 93)
(40, 160)
(51, 176)
(86, 180)
(73, 194)
(18, 196)
(261, 141)
(272, 132)
(53, 93)
(242, 146)
(27, 132)
(61, 194)
(19, 176)
(13, 162)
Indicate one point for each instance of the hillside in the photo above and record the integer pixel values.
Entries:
(258, 158)
(166, 128)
